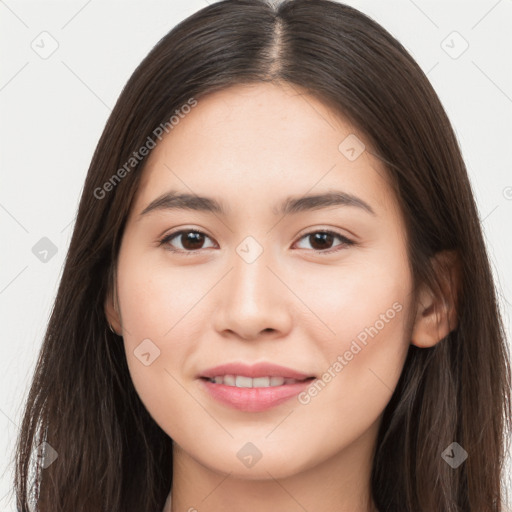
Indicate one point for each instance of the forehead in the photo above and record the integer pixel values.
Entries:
(262, 140)
(258, 119)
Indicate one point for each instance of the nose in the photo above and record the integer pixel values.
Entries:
(254, 301)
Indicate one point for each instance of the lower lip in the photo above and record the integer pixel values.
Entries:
(254, 399)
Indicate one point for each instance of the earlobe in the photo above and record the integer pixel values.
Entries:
(436, 316)
(111, 307)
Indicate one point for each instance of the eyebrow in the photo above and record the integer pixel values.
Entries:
(181, 201)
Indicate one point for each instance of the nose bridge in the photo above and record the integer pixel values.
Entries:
(251, 279)
(253, 299)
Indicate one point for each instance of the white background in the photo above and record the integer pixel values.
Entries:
(53, 111)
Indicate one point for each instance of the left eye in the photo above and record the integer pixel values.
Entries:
(323, 238)
(195, 239)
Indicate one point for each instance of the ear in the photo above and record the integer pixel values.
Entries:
(436, 316)
(112, 308)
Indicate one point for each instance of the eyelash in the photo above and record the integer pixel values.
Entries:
(346, 242)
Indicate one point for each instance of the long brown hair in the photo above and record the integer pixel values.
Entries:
(112, 456)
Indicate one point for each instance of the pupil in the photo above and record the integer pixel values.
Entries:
(321, 237)
(193, 238)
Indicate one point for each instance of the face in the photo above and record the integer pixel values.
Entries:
(321, 288)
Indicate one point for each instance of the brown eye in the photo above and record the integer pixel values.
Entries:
(322, 241)
(190, 240)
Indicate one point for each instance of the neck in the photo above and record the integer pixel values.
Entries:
(340, 483)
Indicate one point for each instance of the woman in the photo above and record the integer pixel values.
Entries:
(277, 294)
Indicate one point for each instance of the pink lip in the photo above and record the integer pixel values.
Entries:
(257, 370)
(253, 399)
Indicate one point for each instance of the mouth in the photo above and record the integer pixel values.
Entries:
(253, 388)
(253, 395)
(242, 381)
(242, 372)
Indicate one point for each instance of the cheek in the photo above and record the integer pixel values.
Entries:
(156, 298)
(365, 307)
(158, 319)
(157, 306)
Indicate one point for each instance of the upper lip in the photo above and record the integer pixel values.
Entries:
(262, 369)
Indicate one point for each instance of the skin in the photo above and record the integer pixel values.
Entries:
(251, 147)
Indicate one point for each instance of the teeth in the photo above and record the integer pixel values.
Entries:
(262, 382)
(241, 381)
(229, 380)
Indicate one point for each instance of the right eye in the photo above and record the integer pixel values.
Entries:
(190, 243)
